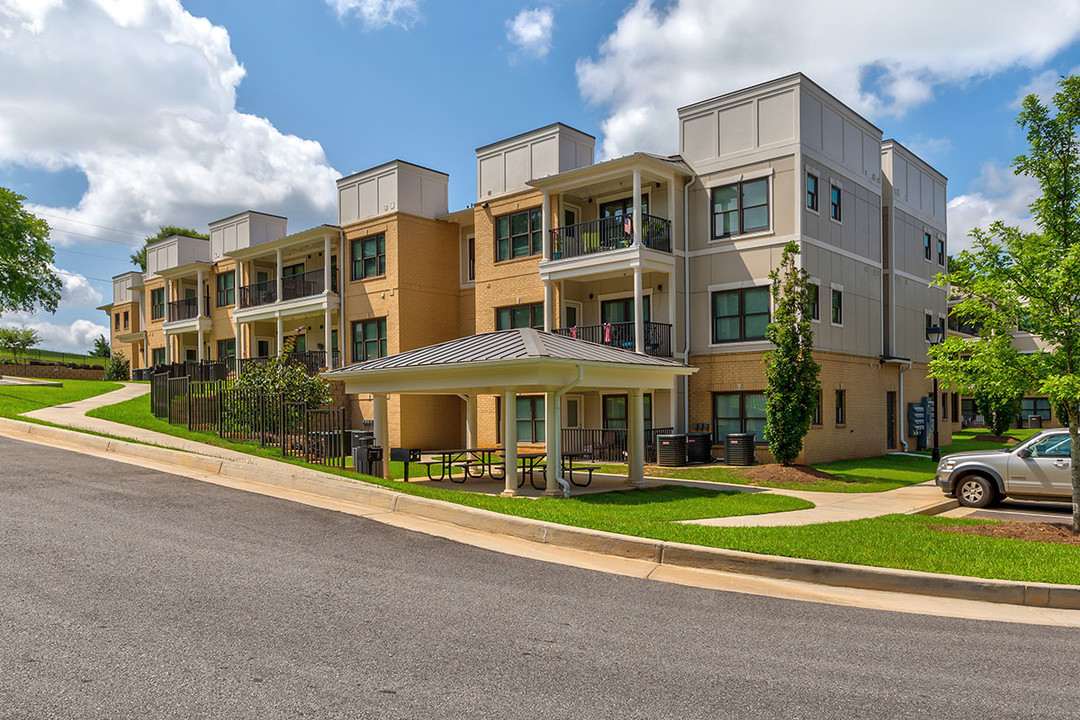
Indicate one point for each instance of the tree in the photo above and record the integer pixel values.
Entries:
(1000, 412)
(17, 341)
(118, 367)
(278, 377)
(791, 374)
(27, 277)
(101, 347)
(1012, 279)
(138, 258)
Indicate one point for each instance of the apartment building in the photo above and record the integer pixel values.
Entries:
(661, 255)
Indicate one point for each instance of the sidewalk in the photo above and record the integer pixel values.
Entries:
(828, 506)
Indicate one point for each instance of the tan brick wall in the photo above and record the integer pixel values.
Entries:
(155, 336)
(51, 372)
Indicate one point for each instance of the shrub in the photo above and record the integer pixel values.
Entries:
(117, 367)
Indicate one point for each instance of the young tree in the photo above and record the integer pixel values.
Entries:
(118, 367)
(138, 258)
(1011, 278)
(101, 347)
(791, 374)
(27, 278)
(17, 341)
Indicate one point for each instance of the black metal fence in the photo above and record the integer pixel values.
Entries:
(608, 444)
(248, 415)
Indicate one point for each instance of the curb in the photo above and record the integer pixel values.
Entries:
(594, 541)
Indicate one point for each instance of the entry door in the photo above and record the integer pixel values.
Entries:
(890, 420)
(572, 411)
(263, 348)
(571, 314)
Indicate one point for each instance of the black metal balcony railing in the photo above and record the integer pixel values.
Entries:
(311, 360)
(260, 293)
(621, 335)
(606, 234)
(186, 309)
(305, 285)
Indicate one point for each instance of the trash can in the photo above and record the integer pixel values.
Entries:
(739, 449)
(365, 457)
(1035, 421)
(358, 438)
(698, 448)
(670, 450)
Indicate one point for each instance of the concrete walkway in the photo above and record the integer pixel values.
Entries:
(924, 498)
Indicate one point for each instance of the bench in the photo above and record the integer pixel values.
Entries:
(590, 469)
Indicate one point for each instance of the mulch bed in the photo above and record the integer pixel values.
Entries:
(776, 473)
(1035, 532)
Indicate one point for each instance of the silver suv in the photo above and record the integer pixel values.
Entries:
(1036, 469)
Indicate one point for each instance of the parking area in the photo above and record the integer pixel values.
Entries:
(1018, 511)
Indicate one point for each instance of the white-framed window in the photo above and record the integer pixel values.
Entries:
(836, 203)
(927, 250)
(812, 191)
(837, 305)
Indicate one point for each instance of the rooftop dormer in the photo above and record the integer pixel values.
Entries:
(176, 251)
(508, 165)
(244, 230)
(396, 186)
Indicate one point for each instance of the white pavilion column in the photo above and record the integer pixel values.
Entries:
(328, 339)
(472, 433)
(382, 431)
(553, 443)
(639, 312)
(280, 332)
(637, 208)
(636, 437)
(510, 441)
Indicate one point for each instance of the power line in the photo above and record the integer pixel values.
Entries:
(88, 277)
(80, 252)
(100, 227)
(95, 237)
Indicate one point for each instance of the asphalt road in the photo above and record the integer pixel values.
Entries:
(127, 593)
(1025, 511)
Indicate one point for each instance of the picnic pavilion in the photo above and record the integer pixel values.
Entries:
(509, 362)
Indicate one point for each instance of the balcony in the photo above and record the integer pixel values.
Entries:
(260, 293)
(621, 335)
(293, 287)
(186, 309)
(312, 361)
(608, 234)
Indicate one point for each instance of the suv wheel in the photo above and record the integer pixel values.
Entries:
(975, 491)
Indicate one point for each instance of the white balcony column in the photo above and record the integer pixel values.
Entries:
(328, 337)
(382, 432)
(639, 312)
(238, 282)
(328, 277)
(168, 338)
(635, 417)
(280, 332)
(545, 223)
(203, 311)
(202, 353)
(510, 459)
(280, 287)
(472, 430)
(549, 307)
(637, 208)
(553, 443)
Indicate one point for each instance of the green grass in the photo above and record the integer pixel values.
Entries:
(16, 399)
(967, 441)
(52, 356)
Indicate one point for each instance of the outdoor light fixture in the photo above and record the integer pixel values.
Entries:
(934, 335)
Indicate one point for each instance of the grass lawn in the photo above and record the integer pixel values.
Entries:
(53, 356)
(15, 399)
(967, 441)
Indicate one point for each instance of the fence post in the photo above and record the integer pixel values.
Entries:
(190, 407)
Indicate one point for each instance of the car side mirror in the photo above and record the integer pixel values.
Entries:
(1023, 453)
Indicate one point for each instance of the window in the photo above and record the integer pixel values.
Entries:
(226, 348)
(616, 413)
(926, 246)
(944, 406)
(1055, 446)
(618, 208)
(941, 252)
(471, 270)
(117, 323)
(815, 302)
(837, 307)
(157, 304)
(740, 208)
(369, 339)
(740, 314)
(519, 234)
(841, 407)
(929, 322)
(1034, 406)
(739, 412)
(157, 356)
(956, 407)
(530, 419)
(127, 320)
(816, 420)
(520, 316)
(622, 310)
(835, 199)
(811, 192)
(226, 289)
(369, 257)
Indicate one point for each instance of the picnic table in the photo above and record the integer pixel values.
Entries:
(473, 462)
(529, 463)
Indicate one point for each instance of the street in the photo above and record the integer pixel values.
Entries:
(130, 593)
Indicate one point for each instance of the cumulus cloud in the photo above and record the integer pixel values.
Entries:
(530, 31)
(77, 337)
(77, 290)
(664, 55)
(1044, 85)
(140, 97)
(376, 14)
(997, 194)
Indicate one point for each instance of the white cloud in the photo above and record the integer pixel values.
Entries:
(376, 14)
(530, 31)
(140, 96)
(1044, 85)
(932, 150)
(78, 337)
(664, 55)
(77, 290)
(997, 194)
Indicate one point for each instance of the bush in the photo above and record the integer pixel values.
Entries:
(118, 367)
(278, 377)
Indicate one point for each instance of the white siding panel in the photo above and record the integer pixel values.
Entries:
(518, 171)
(368, 192)
(348, 204)
(699, 137)
(545, 158)
(492, 176)
(926, 203)
(853, 145)
(776, 118)
(736, 129)
(832, 134)
(387, 189)
(811, 122)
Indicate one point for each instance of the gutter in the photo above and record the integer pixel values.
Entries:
(558, 399)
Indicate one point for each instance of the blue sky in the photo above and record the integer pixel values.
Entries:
(121, 115)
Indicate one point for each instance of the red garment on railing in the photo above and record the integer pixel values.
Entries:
(607, 332)
(573, 332)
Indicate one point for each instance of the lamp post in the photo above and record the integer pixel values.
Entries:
(934, 335)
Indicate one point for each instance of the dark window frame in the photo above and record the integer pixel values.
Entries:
(743, 418)
(812, 195)
(226, 295)
(840, 400)
(535, 419)
(647, 410)
(157, 356)
(360, 342)
(941, 252)
(742, 314)
(360, 257)
(127, 319)
(223, 346)
(536, 315)
(534, 234)
(815, 301)
(928, 252)
(816, 419)
(836, 202)
(157, 303)
(837, 307)
(741, 209)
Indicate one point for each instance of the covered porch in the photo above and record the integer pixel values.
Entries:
(510, 363)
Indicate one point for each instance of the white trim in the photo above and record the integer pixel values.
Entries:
(580, 400)
(841, 251)
(464, 269)
(577, 305)
(743, 345)
(738, 285)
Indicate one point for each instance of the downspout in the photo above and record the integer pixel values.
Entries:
(341, 303)
(903, 430)
(558, 398)
(686, 299)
